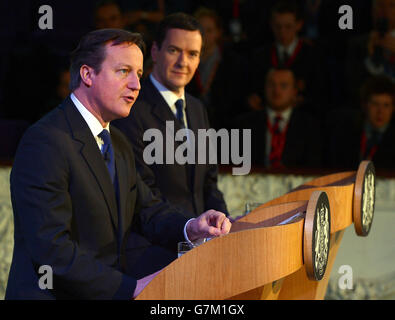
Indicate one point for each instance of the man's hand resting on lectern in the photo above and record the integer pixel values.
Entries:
(209, 224)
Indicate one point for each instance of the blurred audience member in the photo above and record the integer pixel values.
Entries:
(143, 16)
(283, 135)
(220, 80)
(108, 15)
(61, 91)
(312, 13)
(373, 54)
(145, 11)
(381, 44)
(137, 16)
(369, 133)
(289, 51)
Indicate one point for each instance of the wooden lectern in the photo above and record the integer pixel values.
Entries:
(351, 196)
(282, 250)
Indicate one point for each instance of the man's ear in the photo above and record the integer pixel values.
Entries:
(87, 74)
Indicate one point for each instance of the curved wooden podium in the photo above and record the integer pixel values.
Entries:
(271, 252)
(350, 194)
(255, 253)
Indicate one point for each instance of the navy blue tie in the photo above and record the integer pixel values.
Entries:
(180, 112)
(108, 153)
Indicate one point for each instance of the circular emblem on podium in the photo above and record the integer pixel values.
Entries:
(317, 235)
(364, 198)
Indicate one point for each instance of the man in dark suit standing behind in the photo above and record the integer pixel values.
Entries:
(176, 55)
(75, 191)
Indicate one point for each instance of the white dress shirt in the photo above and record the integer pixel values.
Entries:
(289, 50)
(170, 98)
(93, 124)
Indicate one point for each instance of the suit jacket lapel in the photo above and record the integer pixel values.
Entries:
(123, 185)
(91, 154)
(193, 124)
(162, 113)
(160, 109)
(193, 121)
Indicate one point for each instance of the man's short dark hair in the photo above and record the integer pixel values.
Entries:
(206, 12)
(177, 20)
(103, 3)
(91, 50)
(287, 6)
(377, 85)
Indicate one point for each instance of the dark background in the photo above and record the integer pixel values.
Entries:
(31, 58)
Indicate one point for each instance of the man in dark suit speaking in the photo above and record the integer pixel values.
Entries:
(175, 54)
(75, 191)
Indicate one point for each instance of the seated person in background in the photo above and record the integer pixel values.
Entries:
(369, 133)
(291, 52)
(108, 14)
(373, 54)
(143, 16)
(282, 134)
(220, 80)
(61, 91)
